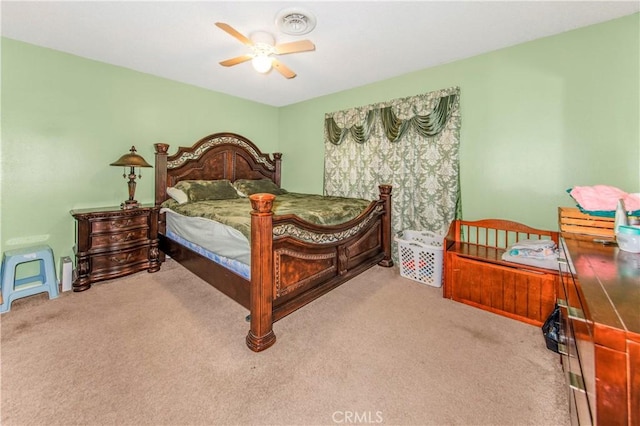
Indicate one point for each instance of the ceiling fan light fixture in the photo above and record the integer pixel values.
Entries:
(262, 63)
(262, 48)
(295, 21)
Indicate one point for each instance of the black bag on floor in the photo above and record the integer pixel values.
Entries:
(551, 330)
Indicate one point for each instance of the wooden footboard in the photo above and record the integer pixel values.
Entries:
(293, 262)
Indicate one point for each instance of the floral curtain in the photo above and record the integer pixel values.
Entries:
(411, 143)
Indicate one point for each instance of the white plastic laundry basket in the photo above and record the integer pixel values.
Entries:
(420, 255)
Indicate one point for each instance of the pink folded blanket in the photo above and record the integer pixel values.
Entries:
(604, 198)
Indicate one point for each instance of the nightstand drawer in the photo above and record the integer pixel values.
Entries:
(113, 261)
(119, 223)
(109, 240)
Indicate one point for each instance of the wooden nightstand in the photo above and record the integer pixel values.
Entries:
(112, 242)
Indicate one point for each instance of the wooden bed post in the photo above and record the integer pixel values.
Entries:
(261, 336)
(385, 195)
(161, 191)
(277, 157)
(161, 172)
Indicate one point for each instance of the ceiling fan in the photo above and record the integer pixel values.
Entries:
(262, 47)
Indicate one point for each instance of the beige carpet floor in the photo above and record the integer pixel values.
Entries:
(168, 349)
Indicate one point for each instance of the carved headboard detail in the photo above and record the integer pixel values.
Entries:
(217, 156)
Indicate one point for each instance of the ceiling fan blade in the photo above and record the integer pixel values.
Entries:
(230, 30)
(283, 69)
(237, 60)
(294, 47)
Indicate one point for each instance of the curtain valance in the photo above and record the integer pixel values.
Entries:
(394, 127)
(411, 143)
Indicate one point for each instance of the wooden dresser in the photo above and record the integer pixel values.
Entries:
(600, 342)
(112, 242)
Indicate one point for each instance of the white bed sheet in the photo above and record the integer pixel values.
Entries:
(210, 235)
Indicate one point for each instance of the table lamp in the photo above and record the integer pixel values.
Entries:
(131, 160)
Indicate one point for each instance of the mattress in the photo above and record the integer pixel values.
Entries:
(220, 229)
(214, 240)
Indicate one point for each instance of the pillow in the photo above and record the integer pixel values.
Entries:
(201, 190)
(246, 187)
(177, 195)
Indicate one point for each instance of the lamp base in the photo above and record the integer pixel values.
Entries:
(129, 204)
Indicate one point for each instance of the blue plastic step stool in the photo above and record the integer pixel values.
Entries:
(13, 288)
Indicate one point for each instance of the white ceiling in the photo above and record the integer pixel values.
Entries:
(356, 42)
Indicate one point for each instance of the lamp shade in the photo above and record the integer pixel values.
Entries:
(131, 160)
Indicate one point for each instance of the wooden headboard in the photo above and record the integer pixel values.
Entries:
(217, 156)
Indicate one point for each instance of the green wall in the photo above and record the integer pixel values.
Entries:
(537, 118)
(65, 118)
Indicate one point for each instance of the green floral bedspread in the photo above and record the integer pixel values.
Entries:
(316, 209)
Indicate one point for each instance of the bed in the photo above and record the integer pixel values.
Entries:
(292, 261)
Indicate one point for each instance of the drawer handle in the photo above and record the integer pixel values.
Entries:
(118, 237)
(119, 224)
(575, 313)
(562, 345)
(562, 349)
(572, 312)
(576, 382)
(121, 261)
